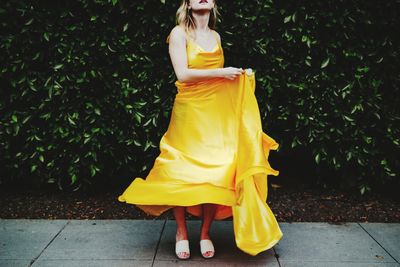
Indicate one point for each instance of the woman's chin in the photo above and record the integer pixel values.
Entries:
(202, 9)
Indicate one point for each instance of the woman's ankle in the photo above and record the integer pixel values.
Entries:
(181, 234)
(204, 235)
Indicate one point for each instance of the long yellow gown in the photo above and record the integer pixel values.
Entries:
(214, 151)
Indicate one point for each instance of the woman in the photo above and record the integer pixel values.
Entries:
(213, 161)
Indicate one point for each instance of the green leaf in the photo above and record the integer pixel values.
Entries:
(109, 48)
(46, 36)
(294, 17)
(348, 118)
(33, 168)
(92, 170)
(325, 63)
(317, 158)
(147, 146)
(308, 61)
(58, 66)
(29, 22)
(71, 121)
(287, 19)
(73, 179)
(36, 56)
(16, 129)
(137, 117)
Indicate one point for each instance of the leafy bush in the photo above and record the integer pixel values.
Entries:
(87, 86)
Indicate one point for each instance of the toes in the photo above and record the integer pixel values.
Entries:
(208, 253)
(183, 254)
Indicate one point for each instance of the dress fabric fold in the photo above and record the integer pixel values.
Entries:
(214, 151)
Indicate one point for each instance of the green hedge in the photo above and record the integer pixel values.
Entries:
(87, 86)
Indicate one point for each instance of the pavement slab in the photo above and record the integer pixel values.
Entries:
(23, 240)
(221, 233)
(76, 243)
(106, 240)
(330, 244)
(387, 235)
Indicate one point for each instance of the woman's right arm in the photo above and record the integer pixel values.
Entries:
(177, 52)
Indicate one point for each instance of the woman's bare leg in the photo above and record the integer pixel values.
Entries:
(181, 230)
(208, 216)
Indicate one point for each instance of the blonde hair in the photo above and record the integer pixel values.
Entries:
(185, 19)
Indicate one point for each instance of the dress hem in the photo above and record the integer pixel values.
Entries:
(191, 196)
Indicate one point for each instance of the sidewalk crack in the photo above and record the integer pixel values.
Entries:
(54, 237)
(158, 242)
(378, 243)
(277, 257)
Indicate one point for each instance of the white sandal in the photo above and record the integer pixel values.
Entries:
(182, 246)
(205, 246)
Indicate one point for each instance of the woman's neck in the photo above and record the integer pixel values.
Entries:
(201, 19)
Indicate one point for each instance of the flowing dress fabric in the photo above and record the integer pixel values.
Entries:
(214, 151)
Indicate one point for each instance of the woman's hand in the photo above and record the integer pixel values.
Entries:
(230, 72)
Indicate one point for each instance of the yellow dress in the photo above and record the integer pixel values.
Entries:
(214, 151)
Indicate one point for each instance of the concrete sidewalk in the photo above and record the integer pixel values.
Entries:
(151, 243)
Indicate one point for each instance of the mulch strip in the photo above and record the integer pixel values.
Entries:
(289, 204)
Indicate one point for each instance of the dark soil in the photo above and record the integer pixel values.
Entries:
(289, 204)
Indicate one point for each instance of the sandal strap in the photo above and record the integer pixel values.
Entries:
(182, 246)
(206, 245)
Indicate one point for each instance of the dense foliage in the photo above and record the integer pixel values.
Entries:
(87, 86)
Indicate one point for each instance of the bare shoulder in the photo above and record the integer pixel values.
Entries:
(219, 36)
(177, 33)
